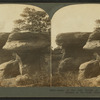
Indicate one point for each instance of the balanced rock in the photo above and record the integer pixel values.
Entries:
(30, 49)
(72, 44)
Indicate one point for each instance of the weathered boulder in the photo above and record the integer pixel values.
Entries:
(66, 65)
(89, 69)
(93, 42)
(72, 63)
(9, 69)
(27, 41)
(3, 39)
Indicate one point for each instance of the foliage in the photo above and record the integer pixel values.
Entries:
(32, 21)
(69, 79)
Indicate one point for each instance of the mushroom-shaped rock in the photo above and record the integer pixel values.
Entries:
(72, 47)
(3, 39)
(93, 42)
(28, 48)
(26, 41)
(4, 55)
(72, 39)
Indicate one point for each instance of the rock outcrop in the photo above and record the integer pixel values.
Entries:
(72, 47)
(3, 39)
(27, 41)
(93, 42)
(9, 69)
(4, 55)
(72, 39)
(30, 51)
(89, 69)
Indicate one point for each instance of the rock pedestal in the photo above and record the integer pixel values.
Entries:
(72, 48)
(30, 51)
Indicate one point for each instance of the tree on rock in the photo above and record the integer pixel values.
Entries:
(19, 24)
(32, 21)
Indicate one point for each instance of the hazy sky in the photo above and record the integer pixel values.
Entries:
(74, 18)
(9, 13)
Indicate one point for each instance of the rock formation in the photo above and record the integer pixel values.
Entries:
(30, 51)
(4, 55)
(72, 48)
(93, 42)
(3, 39)
(9, 69)
(91, 70)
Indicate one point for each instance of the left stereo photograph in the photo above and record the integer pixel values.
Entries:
(24, 46)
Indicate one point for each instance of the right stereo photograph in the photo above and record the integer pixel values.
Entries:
(75, 40)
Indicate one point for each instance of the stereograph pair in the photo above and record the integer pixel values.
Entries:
(39, 51)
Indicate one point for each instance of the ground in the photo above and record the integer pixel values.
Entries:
(69, 79)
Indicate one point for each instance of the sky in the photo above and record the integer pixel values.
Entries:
(74, 18)
(9, 13)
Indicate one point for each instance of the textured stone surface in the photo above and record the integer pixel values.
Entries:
(72, 44)
(9, 69)
(3, 39)
(26, 41)
(89, 69)
(93, 42)
(72, 39)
